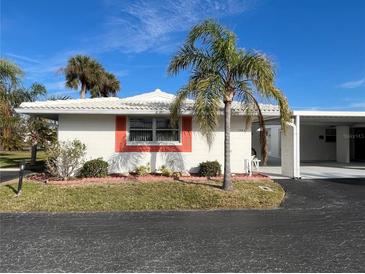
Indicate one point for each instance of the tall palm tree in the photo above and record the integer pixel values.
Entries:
(82, 71)
(108, 85)
(222, 72)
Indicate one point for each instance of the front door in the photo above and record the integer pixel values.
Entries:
(359, 140)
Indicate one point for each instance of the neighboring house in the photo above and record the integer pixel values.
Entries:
(133, 131)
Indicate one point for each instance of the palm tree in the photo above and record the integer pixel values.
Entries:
(222, 72)
(82, 71)
(10, 78)
(12, 94)
(10, 74)
(108, 85)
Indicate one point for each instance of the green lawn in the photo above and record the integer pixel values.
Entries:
(14, 158)
(139, 196)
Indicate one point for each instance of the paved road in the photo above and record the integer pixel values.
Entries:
(321, 227)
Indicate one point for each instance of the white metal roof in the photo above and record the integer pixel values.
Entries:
(155, 102)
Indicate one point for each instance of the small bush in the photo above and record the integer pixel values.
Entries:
(166, 171)
(210, 169)
(94, 168)
(65, 158)
(143, 170)
(177, 174)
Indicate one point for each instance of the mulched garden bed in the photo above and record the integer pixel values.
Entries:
(121, 178)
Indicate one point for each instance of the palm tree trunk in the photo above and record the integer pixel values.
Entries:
(227, 181)
(83, 91)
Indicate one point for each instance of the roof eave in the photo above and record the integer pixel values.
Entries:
(121, 112)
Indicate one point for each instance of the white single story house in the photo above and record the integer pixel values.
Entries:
(133, 131)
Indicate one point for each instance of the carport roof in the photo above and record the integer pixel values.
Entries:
(331, 117)
(323, 117)
(321, 113)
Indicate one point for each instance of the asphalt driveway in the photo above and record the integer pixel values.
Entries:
(321, 227)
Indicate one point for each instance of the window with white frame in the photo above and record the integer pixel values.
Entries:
(150, 129)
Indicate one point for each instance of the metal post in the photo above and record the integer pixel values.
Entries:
(297, 136)
(20, 182)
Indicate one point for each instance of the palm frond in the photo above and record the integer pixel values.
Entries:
(175, 108)
(263, 139)
(10, 72)
(58, 97)
(208, 31)
(207, 106)
(187, 56)
(257, 68)
(285, 112)
(107, 85)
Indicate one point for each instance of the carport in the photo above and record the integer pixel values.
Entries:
(320, 144)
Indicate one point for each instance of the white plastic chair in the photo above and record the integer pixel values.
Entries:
(255, 163)
(248, 166)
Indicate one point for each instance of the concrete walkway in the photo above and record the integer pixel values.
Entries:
(321, 170)
(8, 175)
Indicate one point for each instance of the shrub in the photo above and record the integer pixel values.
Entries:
(142, 170)
(65, 158)
(177, 174)
(94, 168)
(210, 169)
(166, 171)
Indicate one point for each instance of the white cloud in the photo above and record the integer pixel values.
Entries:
(353, 84)
(152, 25)
(59, 85)
(131, 27)
(22, 58)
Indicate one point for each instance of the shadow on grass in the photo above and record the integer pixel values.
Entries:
(12, 188)
(199, 183)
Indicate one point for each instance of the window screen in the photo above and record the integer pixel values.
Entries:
(166, 132)
(153, 130)
(141, 129)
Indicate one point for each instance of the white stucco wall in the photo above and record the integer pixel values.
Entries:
(97, 132)
(312, 148)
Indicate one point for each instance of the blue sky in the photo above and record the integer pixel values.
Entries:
(318, 46)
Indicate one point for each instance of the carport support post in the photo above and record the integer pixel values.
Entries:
(297, 147)
(290, 149)
(343, 144)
